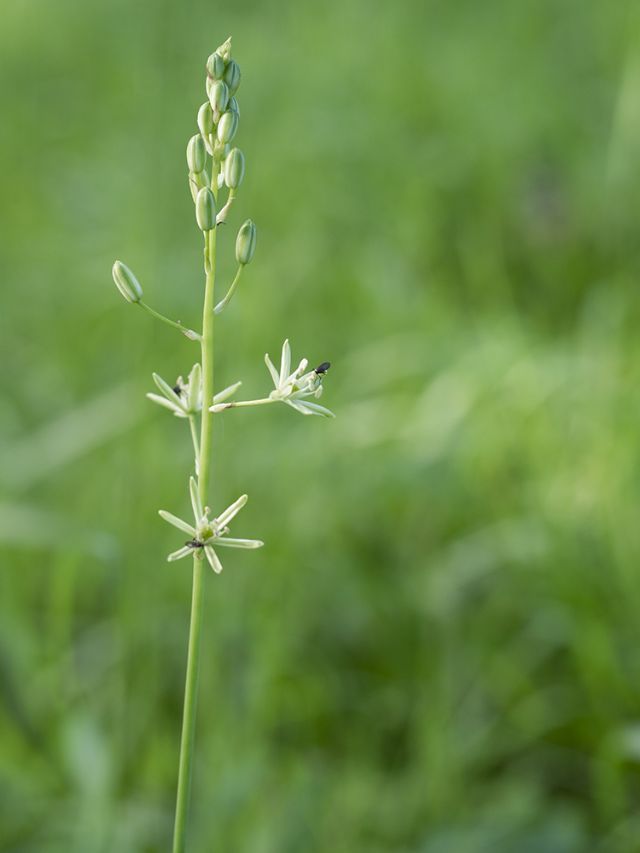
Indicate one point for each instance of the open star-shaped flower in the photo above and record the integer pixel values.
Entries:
(208, 532)
(184, 399)
(293, 388)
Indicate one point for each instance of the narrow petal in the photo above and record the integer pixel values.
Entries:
(167, 390)
(298, 371)
(239, 543)
(194, 398)
(180, 553)
(297, 405)
(315, 409)
(231, 511)
(285, 361)
(177, 522)
(221, 396)
(212, 557)
(196, 503)
(162, 401)
(272, 369)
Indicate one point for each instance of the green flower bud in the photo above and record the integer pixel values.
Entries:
(198, 180)
(233, 107)
(196, 153)
(227, 127)
(220, 151)
(205, 119)
(219, 96)
(225, 50)
(246, 242)
(234, 169)
(126, 282)
(215, 66)
(206, 209)
(232, 76)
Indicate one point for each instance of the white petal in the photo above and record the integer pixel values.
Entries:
(272, 369)
(298, 371)
(231, 511)
(239, 543)
(297, 405)
(179, 554)
(227, 392)
(195, 499)
(167, 390)
(177, 522)
(194, 397)
(285, 361)
(316, 409)
(162, 401)
(212, 557)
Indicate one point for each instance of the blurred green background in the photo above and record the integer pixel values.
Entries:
(438, 650)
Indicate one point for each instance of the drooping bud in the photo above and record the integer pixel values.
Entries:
(232, 76)
(227, 127)
(196, 153)
(215, 66)
(205, 119)
(234, 169)
(206, 209)
(219, 96)
(126, 282)
(246, 242)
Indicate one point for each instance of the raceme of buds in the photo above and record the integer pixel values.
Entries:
(215, 66)
(126, 282)
(219, 96)
(196, 153)
(227, 127)
(206, 209)
(234, 169)
(246, 242)
(232, 76)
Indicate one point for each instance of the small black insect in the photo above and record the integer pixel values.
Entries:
(194, 543)
(177, 390)
(322, 368)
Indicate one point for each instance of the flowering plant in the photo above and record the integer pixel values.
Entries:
(215, 168)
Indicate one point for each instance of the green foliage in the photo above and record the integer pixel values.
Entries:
(437, 649)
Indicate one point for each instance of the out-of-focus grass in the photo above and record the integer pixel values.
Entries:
(437, 651)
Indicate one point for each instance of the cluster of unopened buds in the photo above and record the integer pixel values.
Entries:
(214, 166)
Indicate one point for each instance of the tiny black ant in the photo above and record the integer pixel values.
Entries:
(194, 543)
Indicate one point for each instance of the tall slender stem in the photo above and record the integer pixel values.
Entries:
(195, 628)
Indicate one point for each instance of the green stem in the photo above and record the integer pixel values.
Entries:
(189, 333)
(196, 444)
(223, 302)
(239, 403)
(193, 654)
